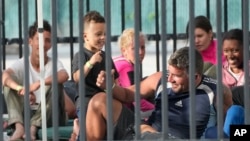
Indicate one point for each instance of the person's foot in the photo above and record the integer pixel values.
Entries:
(76, 129)
(18, 133)
(33, 131)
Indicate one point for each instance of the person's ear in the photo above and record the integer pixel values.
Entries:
(211, 34)
(197, 77)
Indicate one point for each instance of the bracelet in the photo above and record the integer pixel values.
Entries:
(89, 65)
(111, 88)
(18, 88)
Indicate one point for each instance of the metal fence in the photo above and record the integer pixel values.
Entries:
(160, 35)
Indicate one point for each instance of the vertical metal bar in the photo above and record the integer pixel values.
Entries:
(245, 19)
(55, 96)
(20, 28)
(36, 8)
(26, 70)
(87, 5)
(82, 80)
(3, 33)
(42, 67)
(137, 71)
(174, 25)
(208, 9)
(225, 15)
(140, 28)
(109, 80)
(71, 41)
(192, 72)
(164, 99)
(139, 14)
(123, 14)
(157, 35)
(219, 96)
(1, 52)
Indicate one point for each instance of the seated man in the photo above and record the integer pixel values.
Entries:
(13, 81)
(178, 99)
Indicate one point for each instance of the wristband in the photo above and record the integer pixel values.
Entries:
(18, 88)
(89, 65)
(111, 88)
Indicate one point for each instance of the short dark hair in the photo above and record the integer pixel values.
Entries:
(33, 28)
(234, 34)
(93, 16)
(200, 22)
(180, 59)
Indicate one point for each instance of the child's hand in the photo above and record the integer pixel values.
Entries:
(101, 79)
(96, 58)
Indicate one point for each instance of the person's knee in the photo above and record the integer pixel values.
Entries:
(97, 101)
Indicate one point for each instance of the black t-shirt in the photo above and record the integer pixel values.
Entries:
(90, 79)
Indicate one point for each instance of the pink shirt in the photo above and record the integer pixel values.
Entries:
(230, 79)
(124, 67)
(209, 55)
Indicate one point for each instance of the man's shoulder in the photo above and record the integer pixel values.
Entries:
(209, 80)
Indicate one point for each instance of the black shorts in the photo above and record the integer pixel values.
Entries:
(125, 120)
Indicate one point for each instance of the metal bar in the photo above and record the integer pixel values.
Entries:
(109, 80)
(82, 80)
(157, 35)
(123, 14)
(192, 72)
(225, 15)
(137, 71)
(3, 37)
(87, 5)
(42, 68)
(245, 20)
(219, 91)
(164, 99)
(1, 52)
(55, 107)
(174, 25)
(71, 34)
(208, 9)
(26, 70)
(20, 28)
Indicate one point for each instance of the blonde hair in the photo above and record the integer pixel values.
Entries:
(127, 38)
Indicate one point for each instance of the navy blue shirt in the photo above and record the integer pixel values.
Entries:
(179, 108)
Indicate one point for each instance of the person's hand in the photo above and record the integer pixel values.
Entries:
(96, 58)
(32, 98)
(101, 79)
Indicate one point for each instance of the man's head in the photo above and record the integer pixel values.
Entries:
(178, 68)
(127, 45)
(94, 31)
(34, 40)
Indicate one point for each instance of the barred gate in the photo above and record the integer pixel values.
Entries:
(160, 35)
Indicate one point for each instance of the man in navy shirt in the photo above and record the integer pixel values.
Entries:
(178, 102)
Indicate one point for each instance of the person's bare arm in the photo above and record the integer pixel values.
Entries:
(88, 66)
(76, 75)
(8, 81)
(62, 76)
(227, 98)
(147, 87)
(147, 128)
